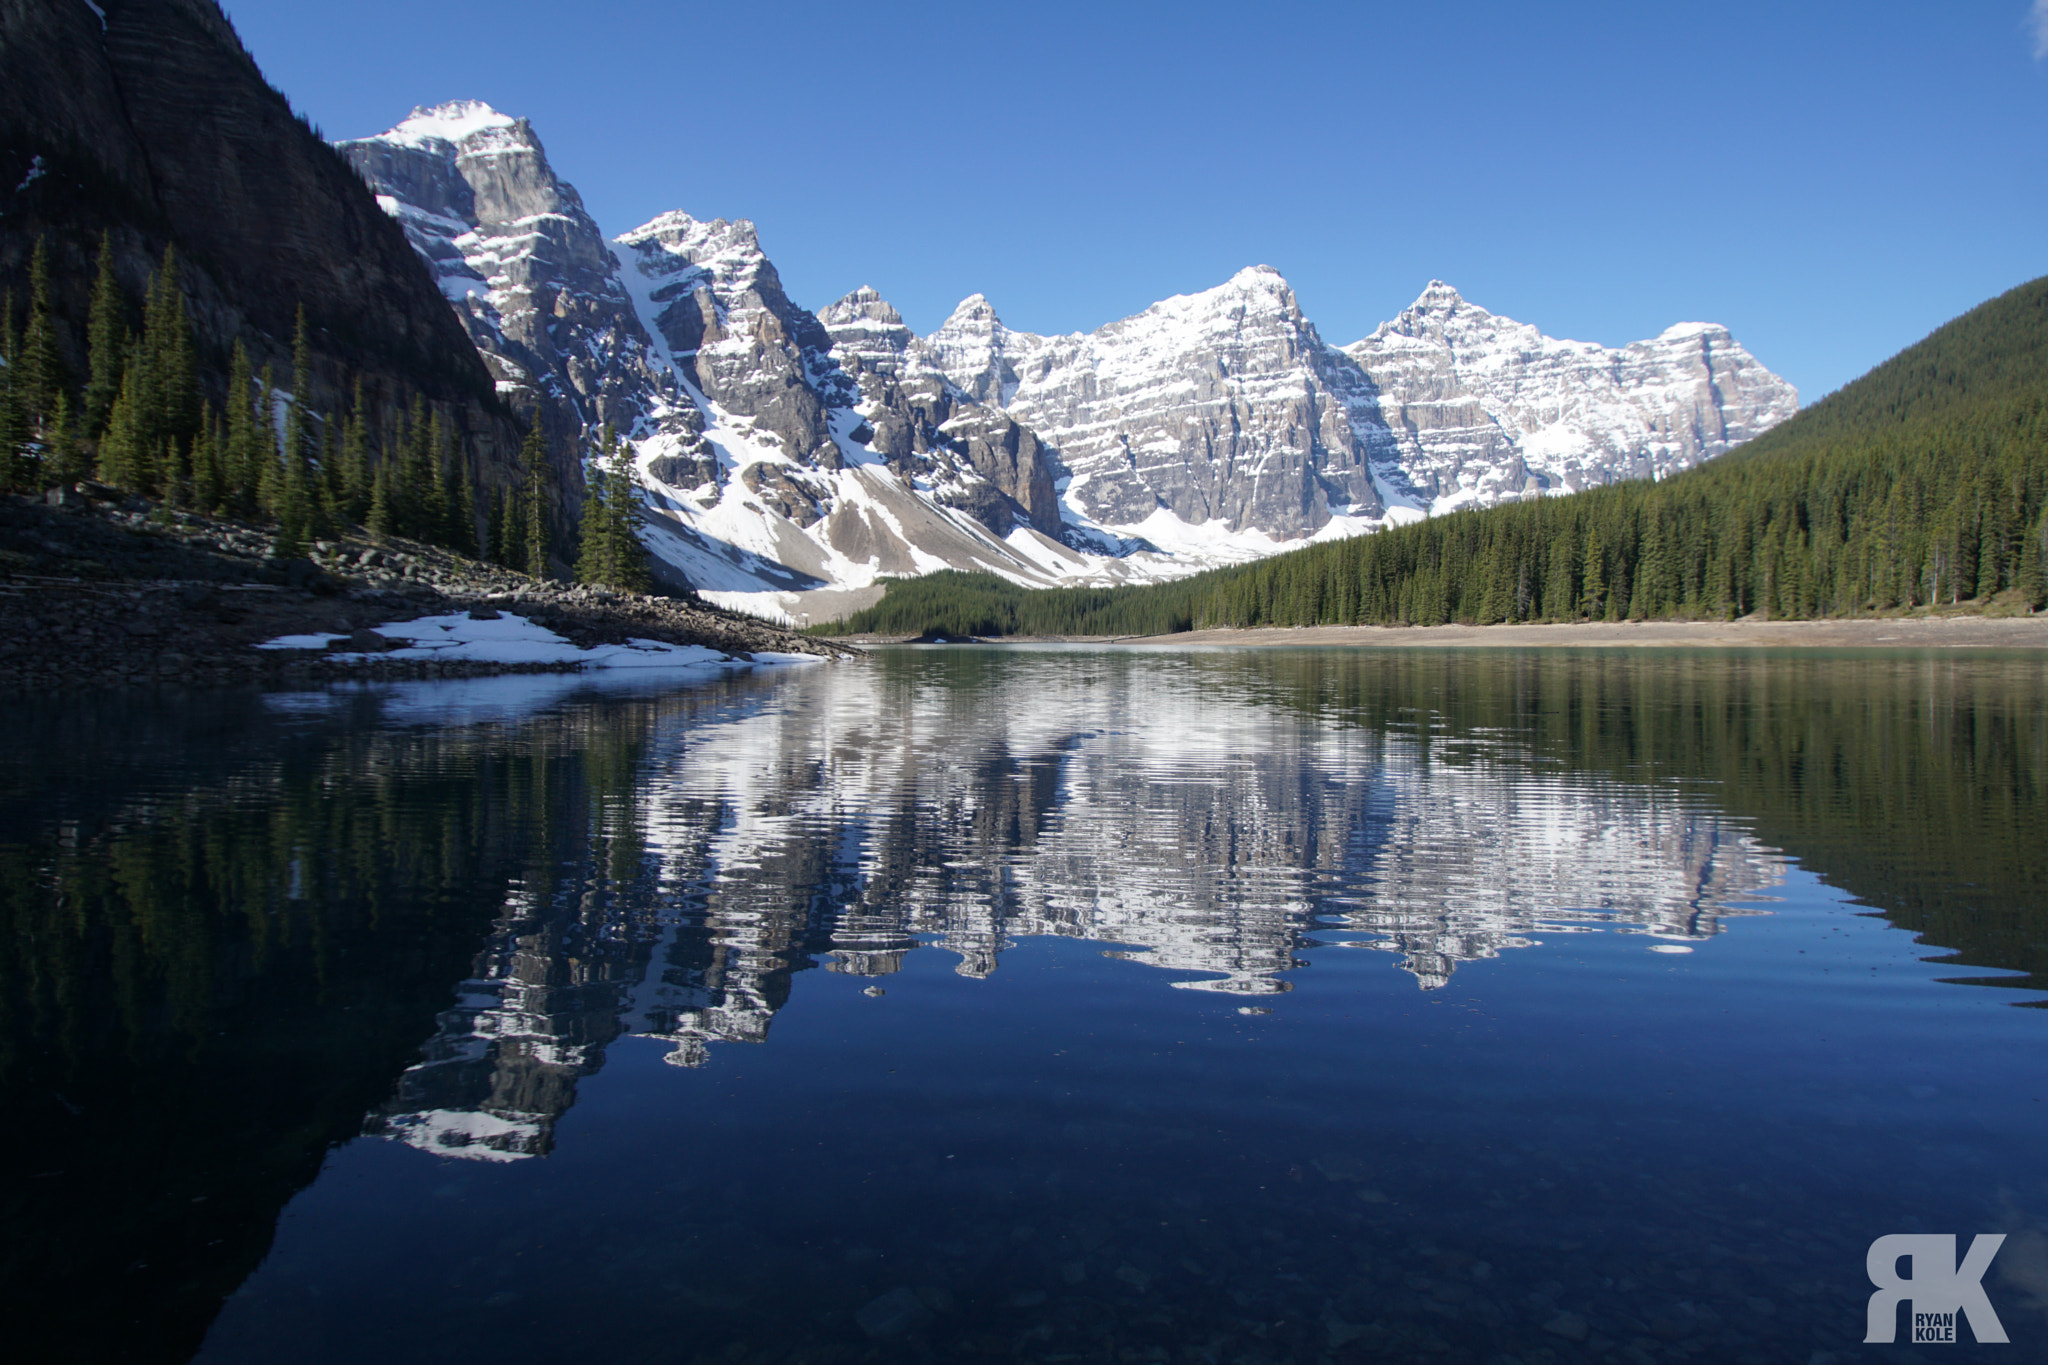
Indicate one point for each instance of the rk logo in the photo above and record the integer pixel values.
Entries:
(1938, 1288)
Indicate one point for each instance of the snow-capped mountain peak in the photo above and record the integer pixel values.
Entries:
(454, 122)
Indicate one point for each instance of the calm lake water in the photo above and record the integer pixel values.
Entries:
(1029, 1004)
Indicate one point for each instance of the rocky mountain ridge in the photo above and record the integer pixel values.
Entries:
(770, 459)
(781, 451)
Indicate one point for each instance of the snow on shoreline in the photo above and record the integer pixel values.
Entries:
(508, 698)
(510, 639)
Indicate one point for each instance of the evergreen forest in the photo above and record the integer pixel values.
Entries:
(139, 421)
(1924, 483)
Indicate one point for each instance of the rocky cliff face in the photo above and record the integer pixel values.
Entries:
(965, 453)
(735, 335)
(1220, 407)
(1483, 408)
(146, 120)
(525, 268)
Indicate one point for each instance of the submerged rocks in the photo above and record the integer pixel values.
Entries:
(892, 1314)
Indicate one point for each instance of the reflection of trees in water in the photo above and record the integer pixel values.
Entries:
(227, 931)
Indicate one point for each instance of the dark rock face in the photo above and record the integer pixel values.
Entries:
(158, 129)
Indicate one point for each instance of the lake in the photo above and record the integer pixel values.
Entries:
(1038, 1004)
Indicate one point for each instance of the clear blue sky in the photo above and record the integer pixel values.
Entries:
(1830, 180)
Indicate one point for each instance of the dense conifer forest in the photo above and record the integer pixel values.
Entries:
(137, 421)
(1923, 483)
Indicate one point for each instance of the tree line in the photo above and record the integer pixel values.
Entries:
(1924, 483)
(140, 421)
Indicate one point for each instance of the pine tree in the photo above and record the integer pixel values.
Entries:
(121, 458)
(304, 507)
(297, 435)
(42, 365)
(436, 502)
(533, 533)
(355, 462)
(173, 355)
(509, 548)
(270, 490)
(610, 551)
(410, 480)
(1593, 575)
(463, 540)
(379, 521)
(243, 455)
(593, 552)
(106, 343)
(209, 480)
(146, 384)
(622, 502)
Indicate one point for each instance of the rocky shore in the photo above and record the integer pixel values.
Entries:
(101, 590)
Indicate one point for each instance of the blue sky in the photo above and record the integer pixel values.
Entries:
(1830, 180)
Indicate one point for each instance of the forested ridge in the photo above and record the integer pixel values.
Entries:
(139, 421)
(1925, 482)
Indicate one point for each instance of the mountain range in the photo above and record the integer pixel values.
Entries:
(787, 456)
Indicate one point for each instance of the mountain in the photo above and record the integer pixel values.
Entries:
(1484, 408)
(782, 451)
(526, 270)
(1923, 484)
(1221, 410)
(147, 121)
(778, 451)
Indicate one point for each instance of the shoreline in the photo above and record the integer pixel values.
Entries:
(1960, 631)
(114, 592)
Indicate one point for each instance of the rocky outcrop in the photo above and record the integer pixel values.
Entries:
(734, 334)
(1483, 408)
(147, 121)
(966, 454)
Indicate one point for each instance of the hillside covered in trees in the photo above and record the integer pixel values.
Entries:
(140, 422)
(1924, 482)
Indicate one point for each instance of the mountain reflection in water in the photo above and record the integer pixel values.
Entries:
(239, 927)
(1160, 806)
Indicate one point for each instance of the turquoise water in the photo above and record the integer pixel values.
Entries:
(1050, 1004)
